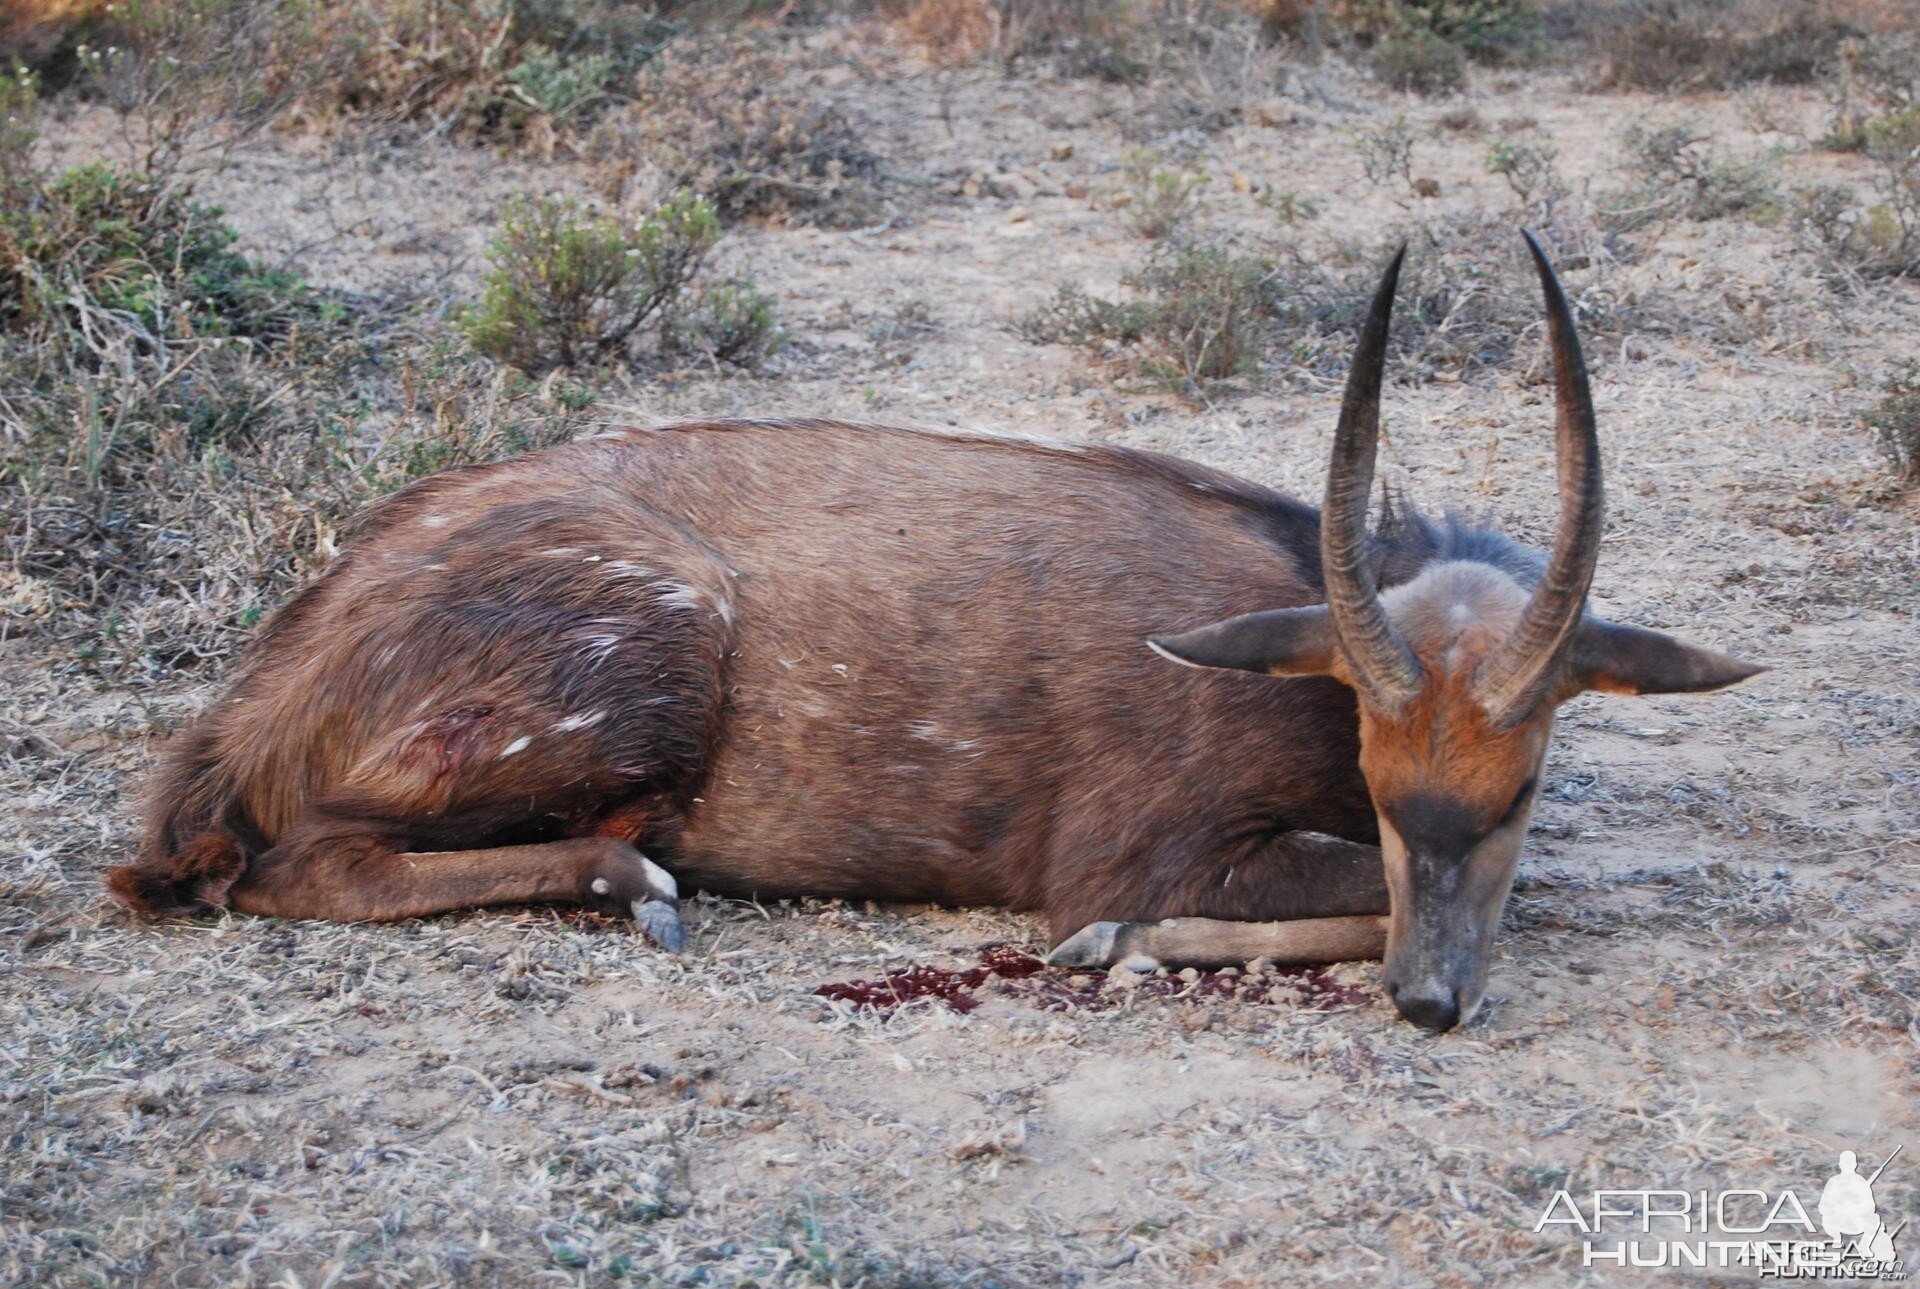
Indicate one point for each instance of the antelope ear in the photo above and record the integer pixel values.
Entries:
(1632, 660)
(1280, 642)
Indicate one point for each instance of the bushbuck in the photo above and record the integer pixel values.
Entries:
(789, 658)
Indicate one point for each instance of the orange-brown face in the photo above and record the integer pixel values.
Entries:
(1452, 795)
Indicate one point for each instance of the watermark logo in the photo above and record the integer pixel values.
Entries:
(1774, 1233)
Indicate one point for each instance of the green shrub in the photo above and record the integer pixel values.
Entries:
(100, 239)
(1895, 421)
(1527, 168)
(560, 86)
(732, 321)
(566, 286)
(1198, 315)
(1160, 201)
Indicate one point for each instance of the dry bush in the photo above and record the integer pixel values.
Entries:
(1675, 171)
(153, 380)
(475, 66)
(1198, 315)
(1205, 49)
(1201, 312)
(1386, 151)
(1422, 62)
(1879, 236)
(182, 429)
(732, 124)
(445, 67)
(1670, 45)
(1111, 39)
(953, 33)
(1872, 79)
(188, 80)
(41, 34)
(1466, 302)
(1488, 30)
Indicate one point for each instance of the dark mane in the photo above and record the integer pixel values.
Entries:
(1409, 541)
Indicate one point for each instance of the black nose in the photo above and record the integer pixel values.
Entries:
(1437, 1012)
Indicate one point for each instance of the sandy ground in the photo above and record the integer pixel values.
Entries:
(1707, 979)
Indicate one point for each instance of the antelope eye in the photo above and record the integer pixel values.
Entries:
(1519, 804)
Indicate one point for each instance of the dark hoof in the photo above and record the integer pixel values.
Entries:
(1094, 945)
(660, 923)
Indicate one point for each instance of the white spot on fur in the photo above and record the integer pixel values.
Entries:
(580, 721)
(627, 568)
(678, 595)
(560, 552)
(518, 745)
(597, 647)
(601, 886)
(434, 521)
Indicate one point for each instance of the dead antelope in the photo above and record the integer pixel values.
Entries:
(811, 658)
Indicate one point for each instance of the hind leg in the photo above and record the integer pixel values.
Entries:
(366, 875)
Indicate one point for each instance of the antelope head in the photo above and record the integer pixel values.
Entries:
(1457, 673)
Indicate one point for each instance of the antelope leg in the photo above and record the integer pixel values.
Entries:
(1215, 942)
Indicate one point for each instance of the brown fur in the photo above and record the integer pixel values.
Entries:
(797, 658)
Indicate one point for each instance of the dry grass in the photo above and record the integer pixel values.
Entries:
(1709, 975)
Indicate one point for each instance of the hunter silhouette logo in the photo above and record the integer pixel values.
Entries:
(1847, 1212)
(1771, 1232)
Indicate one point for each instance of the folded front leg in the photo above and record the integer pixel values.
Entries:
(1213, 942)
(1301, 898)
